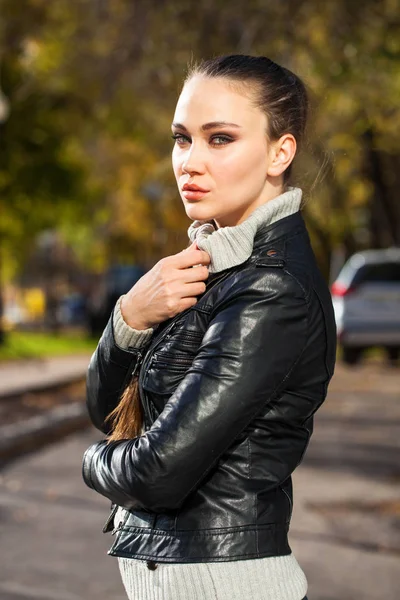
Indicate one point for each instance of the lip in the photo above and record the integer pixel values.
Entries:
(192, 194)
(192, 187)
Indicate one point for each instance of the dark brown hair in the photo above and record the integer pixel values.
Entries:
(127, 417)
(277, 91)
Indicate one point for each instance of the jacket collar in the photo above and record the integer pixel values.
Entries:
(266, 237)
(267, 234)
(231, 246)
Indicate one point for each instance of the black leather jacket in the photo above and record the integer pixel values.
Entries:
(229, 389)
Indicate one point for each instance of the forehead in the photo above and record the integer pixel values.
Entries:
(205, 99)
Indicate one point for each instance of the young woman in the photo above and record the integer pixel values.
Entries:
(221, 367)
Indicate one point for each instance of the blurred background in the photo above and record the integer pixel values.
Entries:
(88, 203)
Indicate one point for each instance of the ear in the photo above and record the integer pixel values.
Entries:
(282, 154)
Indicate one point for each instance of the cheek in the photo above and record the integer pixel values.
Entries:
(241, 164)
(176, 163)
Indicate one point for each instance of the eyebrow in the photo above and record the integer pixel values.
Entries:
(207, 126)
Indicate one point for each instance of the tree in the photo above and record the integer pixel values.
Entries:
(93, 85)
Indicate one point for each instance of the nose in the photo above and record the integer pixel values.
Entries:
(193, 161)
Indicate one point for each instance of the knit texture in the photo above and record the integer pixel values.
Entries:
(227, 247)
(125, 336)
(231, 246)
(272, 578)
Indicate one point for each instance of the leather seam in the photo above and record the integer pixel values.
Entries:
(196, 558)
(306, 296)
(249, 452)
(195, 533)
(287, 234)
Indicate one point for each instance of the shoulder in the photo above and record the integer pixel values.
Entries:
(260, 283)
(283, 267)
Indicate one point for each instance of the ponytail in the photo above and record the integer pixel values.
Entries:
(127, 417)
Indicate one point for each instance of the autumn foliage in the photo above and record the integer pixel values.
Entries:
(91, 87)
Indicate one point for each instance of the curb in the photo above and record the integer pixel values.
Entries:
(32, 434)
(42, 386)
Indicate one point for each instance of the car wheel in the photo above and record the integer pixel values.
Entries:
(351, 355)
(393, 353)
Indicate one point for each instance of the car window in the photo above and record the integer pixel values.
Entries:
(379, 272)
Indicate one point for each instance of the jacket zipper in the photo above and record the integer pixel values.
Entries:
(106, 526)
(139, 369)
(146, 362)
(138, 363)
(171, 359)
(156, 343)
(191, 334)
(117, 528)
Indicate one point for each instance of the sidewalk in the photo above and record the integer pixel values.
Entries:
(18, 379)
(22, 376)
(51, 525)
(345, 526)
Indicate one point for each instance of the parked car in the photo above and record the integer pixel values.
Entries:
(116, 281)
(366, 300)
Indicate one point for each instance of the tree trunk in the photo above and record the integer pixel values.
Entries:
(383, 217)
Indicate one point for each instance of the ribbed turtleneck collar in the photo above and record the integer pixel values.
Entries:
(231, 246)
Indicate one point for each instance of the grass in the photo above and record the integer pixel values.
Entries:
(27, 344)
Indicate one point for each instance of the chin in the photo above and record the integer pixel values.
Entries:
(196, 212)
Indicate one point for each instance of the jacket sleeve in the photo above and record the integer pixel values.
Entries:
(111, 366)
(250, 348)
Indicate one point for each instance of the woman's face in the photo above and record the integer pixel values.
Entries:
(221, 147)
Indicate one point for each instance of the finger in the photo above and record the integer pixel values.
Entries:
(193, 246)
(191, 257)
(186, 303)
(193, 289)
(191, 275)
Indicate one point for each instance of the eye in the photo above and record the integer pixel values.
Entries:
(220, 140)
(180, 139)
(215, 140)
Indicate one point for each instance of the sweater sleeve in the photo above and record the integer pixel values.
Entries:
(126, 336)
(115, 358)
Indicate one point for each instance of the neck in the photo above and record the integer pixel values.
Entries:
(271, 191)
(230, 246)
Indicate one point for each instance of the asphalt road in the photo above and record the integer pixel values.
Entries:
(346, 520)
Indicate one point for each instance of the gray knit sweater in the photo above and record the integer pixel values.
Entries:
(227, 247)
(270, 578)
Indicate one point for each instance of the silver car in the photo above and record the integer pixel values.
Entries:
(366, 300)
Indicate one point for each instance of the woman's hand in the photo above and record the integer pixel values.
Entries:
(169, 288)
